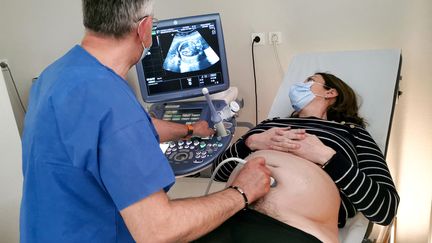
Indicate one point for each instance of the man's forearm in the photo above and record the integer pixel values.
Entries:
(169, 131)
(208, 213)
(157, 219)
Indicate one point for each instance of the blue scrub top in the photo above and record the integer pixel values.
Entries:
(89, 151)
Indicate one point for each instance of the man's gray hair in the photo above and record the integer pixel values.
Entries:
(114, 17)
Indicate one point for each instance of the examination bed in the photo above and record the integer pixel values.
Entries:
(373, 74)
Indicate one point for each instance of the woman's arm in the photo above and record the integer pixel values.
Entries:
(276, 138)
(368, 184)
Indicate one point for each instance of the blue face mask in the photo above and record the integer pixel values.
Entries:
(145, 51)
(301, 95)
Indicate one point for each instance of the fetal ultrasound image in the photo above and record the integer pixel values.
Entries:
(189, 52)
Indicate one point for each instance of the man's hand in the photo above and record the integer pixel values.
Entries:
(281, 139)
(254, 179)
(201, 129)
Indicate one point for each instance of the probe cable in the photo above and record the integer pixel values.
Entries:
(241, 161)
(273, 182)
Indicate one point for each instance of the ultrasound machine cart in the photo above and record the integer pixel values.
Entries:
(187, 55)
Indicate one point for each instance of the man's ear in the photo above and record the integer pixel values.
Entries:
(143, 28)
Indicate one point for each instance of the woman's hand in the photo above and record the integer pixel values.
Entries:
(312, 149)
(282, 139)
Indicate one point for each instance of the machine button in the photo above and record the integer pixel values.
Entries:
(180, 142)
(188, 142)
(196, 142)
(181, 156)
(202, 145)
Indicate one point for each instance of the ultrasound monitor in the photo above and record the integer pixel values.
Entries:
(187, 55)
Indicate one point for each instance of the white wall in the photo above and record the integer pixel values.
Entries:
(40, 31)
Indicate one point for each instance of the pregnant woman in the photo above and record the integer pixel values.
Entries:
(327, 168)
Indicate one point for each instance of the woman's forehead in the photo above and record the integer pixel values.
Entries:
(317, 78)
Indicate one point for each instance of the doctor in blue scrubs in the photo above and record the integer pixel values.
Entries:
(93, 169)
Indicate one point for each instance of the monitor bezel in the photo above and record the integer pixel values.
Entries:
(191, 93)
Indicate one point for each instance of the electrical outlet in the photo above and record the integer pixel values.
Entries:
(275, 37)
(261, 35)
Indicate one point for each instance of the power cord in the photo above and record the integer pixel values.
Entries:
(4, 65)
(257, 39)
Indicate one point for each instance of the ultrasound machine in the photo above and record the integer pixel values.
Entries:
(187, 59)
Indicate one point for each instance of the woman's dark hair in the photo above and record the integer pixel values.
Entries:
(345, 108)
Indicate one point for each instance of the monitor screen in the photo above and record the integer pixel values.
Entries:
(187, 55)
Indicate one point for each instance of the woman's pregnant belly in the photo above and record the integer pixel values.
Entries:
(305, 196)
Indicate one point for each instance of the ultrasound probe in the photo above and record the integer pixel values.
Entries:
(215, 117)
(273, 182)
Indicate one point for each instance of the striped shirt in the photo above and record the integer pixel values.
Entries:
(358, 168)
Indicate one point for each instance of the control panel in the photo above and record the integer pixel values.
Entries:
(190, 156)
